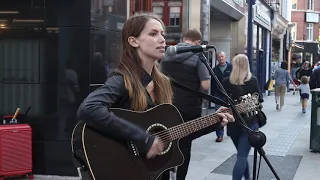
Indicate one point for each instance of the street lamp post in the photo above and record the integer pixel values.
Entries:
(250, 31)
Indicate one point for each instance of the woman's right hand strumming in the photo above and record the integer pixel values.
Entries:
(156, 148)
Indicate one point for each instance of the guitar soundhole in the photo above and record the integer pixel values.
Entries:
(162, 132)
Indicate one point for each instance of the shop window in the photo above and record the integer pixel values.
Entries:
(310, 4)
(158, 10)
(294, 30)
(255, 48)
(255, 33)
(174, 16)
(309, 57)
(294, 4)
(309, 36)
(260, 38)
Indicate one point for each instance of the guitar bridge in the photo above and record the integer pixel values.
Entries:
(134, 149)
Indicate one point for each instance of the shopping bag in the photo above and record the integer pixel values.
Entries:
(269, 85)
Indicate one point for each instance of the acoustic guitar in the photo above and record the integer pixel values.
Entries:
(108, 158)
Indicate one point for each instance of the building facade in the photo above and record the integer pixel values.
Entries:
(171, 14)
(226, 23)
(170, 11)
(139, 6)
(305, 30)
(280, 24)
(262, 40)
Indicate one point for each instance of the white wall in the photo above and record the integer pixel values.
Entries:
(220, 36)
(194, 14)
(286, 9)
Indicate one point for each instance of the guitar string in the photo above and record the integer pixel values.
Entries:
(169, 134)
(196, 120)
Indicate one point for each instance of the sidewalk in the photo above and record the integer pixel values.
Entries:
(287, 147)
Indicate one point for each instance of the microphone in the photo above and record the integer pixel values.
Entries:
(174, 50)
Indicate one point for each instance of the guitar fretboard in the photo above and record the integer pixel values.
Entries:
(182, 130)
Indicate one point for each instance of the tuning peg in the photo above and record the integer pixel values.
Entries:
(244, 98)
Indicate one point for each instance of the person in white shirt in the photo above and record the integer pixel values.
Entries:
(304, 92)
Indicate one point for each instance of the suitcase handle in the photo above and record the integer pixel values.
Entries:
(16, 114)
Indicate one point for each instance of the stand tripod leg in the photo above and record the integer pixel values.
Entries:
(255, 157)
(263, 154)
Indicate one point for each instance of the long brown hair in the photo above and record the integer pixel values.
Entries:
(131, 69)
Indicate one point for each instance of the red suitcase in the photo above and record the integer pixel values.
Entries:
(15, 150)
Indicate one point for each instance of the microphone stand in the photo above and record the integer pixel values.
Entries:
(257, 139)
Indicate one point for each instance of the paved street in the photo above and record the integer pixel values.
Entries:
(287, 148)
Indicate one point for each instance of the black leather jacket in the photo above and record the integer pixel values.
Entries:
(94, 110)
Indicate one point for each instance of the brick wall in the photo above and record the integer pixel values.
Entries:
(317, 5)
(298, 16)
(140, 6)
(303, 4)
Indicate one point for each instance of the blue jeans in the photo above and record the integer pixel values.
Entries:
(241, 167)
(219, 133)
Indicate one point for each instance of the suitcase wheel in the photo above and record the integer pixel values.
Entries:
(31, 177)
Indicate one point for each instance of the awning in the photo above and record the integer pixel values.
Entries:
(297, 46)
(229, 7)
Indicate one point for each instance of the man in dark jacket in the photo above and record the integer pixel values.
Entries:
(315, 77)
(222, 70)
(187, 69)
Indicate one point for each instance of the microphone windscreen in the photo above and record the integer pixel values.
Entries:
(171, 51)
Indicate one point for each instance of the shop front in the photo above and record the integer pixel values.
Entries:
(279, 41)
(52, 55)
(227, 24)
(261, 41)
(310, 41)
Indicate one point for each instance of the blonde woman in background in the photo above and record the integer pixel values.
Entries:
(241, 82)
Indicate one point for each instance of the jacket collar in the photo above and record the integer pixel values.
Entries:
(145, 78)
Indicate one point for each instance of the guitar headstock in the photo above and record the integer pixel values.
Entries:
(249, 104)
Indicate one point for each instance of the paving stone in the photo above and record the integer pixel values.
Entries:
(285, 166)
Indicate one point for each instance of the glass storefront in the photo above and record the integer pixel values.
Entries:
(261, 51)
(52, 55)
(258, 48)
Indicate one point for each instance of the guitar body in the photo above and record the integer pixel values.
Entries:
(108, 158)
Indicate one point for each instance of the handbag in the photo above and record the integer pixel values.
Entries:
(266, 86)
(262, 118)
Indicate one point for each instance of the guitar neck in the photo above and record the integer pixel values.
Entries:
(183, 130)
